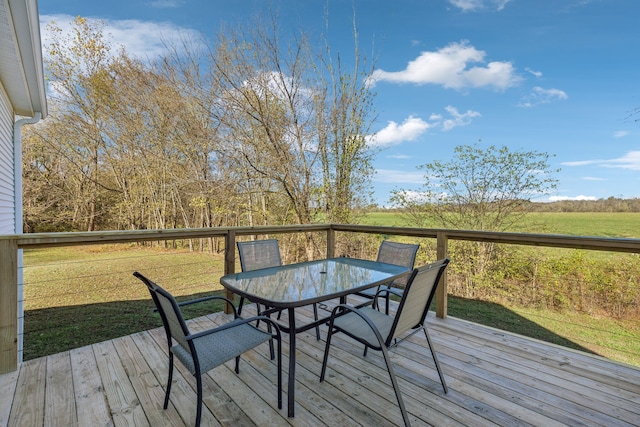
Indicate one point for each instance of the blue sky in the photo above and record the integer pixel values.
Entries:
(556, 76)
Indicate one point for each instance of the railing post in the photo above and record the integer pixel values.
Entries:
(331, 242)
(229, 263)
(441, 292)
(8, 306)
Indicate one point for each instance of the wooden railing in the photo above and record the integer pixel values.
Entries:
(10, 246)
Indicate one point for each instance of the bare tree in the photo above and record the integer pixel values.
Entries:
(252, 130)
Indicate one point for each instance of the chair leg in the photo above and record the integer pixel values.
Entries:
(240, 304)
(199, 404)
(435, 359)
(271, 351)
(237, 364)
(257, 314)
(315, 317)
(396, 387)
(169, 381)
(279, 373)
(326, 351)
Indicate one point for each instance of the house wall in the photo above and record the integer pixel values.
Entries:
(8, 222)
(7, 181)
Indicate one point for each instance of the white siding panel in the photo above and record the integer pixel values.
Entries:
(8, 200)
(7, 181)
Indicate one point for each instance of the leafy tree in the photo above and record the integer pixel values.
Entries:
(479, 189)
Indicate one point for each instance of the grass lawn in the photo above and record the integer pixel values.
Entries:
(603, 224)
(80, 295)
(76, 296)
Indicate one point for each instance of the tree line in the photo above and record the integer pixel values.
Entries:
(244, 130)
(610, 204)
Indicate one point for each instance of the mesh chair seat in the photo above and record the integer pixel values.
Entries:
(356, 326)
(216, 348)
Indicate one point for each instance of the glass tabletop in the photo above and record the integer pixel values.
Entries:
(299, 284)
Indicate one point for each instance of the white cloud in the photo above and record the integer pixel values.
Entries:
(458, 119)
(542, 96)
(398, 176)
(582, 163)
(452, 67)
(592, 178)
(535, 73)
(630, 161)
(414, 127)
(141, 39)
(394, 133)
(165, 4)
(620, 134)
(472, 5)
(414, 196)
(561, 198)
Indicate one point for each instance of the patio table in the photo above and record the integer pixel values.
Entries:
(291, 286)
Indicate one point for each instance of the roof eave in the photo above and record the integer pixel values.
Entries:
(23, 77)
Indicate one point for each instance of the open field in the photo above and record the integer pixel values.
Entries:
(79, 295)
(608, 224)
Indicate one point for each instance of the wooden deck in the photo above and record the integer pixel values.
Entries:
(494, 378)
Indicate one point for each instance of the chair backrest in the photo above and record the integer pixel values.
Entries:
(416, 299)
(169, 310)
(258, 254)
(403, 254)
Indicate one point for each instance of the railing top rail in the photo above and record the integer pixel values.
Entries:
(631, 245)
(616, 244)
(123, 236)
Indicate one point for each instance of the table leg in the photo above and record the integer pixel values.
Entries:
(292, 363)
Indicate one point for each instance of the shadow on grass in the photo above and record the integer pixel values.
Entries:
(53, 330)
(500, 317)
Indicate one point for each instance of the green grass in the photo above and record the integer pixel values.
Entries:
(76, 296)
(603, 224)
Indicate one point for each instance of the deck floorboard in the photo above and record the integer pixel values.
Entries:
(495, 379)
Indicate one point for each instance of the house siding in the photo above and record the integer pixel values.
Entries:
(8, 222)
(7, 181)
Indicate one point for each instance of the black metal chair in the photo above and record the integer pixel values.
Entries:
(397, 253)
(380, 331)
(202, 351)
(256, 254)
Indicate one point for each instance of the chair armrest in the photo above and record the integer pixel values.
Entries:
(203, 299)
(358, 312)
(388, 291)
(233, 324)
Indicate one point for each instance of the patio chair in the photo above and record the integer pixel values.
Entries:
(202, 351)
(397, 253)
(380, 331)
(257, 254)
(264, 253)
